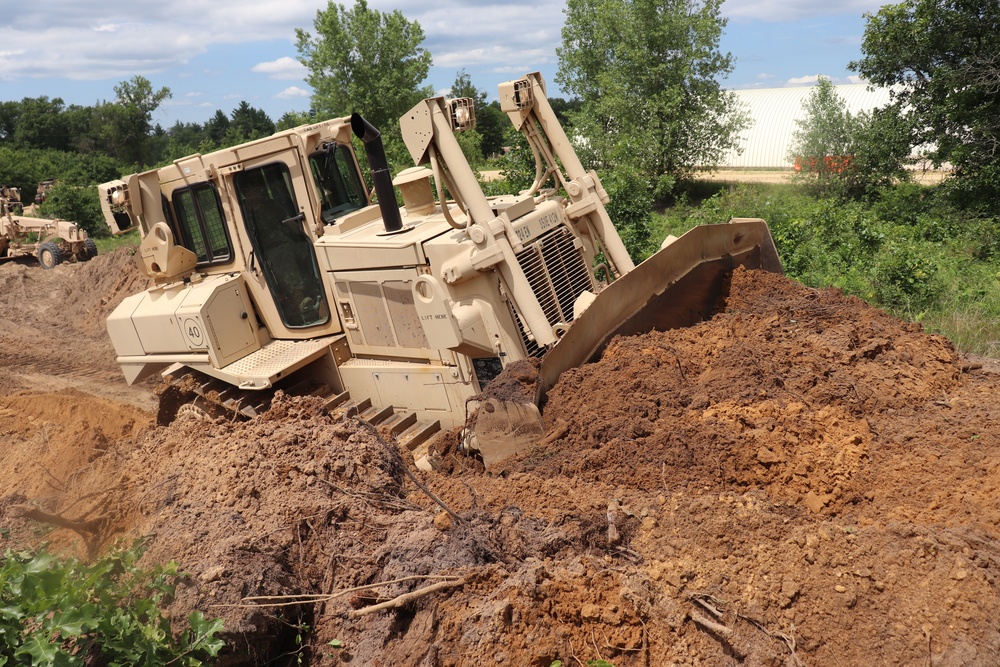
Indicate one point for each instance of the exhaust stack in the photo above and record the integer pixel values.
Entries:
(372, 139)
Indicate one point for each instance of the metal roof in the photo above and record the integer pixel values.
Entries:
(774, 111)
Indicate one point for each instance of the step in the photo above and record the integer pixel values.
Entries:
(413, 436)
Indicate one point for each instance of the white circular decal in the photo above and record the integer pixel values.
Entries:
(192, 329)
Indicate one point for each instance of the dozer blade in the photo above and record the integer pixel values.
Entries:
(677, 287)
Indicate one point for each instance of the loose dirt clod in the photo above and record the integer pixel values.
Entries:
(802, 480)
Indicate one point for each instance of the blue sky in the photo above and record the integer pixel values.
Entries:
(215, 55)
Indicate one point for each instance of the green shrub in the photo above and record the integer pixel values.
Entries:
(630, 209)
(910, 251)
(66, 613)
(904, 276)
(76, 204)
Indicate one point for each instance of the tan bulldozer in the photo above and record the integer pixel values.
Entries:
(274, 265)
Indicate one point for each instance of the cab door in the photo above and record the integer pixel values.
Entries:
(282, 270)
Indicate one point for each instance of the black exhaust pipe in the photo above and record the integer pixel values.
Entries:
(367, 133)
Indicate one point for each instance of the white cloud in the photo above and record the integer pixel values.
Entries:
(807, 80)
(283, 68)
(293, 92)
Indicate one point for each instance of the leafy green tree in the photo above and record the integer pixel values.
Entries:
(9, 112)
(40, 124)
(292, 119)
(845, 154)
(564, 109)
(943, 58)
(823, 143)
(183, 139)
(82, 130)
(127, 122)
(366, 61)
(76, 204)
(492, 124)
(882, 145)
(647, 75)
(217, 127)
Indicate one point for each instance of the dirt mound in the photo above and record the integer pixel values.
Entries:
(801, 480)
(52, 325)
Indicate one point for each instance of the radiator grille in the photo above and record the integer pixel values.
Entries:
(558, 274)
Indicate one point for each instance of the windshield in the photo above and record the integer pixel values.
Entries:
(340, 188)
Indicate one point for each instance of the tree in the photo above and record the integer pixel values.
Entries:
(845, 154)
(40, 124)
(248, 123)
(647, 74)
(366, 61)
(217, 126)
(943, 58)
(81, 205)
(291, 119)
(822, 144)
(128, 121)
(9, 111)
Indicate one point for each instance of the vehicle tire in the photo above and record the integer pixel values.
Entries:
(89, 250)
(49, 255)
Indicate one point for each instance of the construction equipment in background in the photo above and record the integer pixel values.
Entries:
(272, 268)
(42, 193)
(51, 242)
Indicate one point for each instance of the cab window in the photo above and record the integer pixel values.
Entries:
(201, 224)
(340, 187)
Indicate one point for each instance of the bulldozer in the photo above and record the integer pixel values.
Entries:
(50, 241)
(274, 266)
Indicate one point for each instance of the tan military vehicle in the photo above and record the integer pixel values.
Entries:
(271, 268)
(50, 241)
(42, 193)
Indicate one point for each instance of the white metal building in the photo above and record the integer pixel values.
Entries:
(774, 111)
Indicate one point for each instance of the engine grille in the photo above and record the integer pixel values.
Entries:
(558, 274)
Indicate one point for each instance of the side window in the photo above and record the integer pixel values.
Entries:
(340, 188)
(201, 224)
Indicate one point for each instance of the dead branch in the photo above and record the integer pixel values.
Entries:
(406, 598)
(710, 625)
(291, 600)
(406, 469)
(86, 529)
(707, 606)
(789, 641)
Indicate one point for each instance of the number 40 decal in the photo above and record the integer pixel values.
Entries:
(192, 329)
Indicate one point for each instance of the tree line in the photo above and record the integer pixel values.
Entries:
(647, 107)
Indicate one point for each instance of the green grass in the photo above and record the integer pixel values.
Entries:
(108, 244)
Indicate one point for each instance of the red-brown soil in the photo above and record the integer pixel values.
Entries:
(802, 480)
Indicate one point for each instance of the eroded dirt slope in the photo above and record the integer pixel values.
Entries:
(801, 480)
